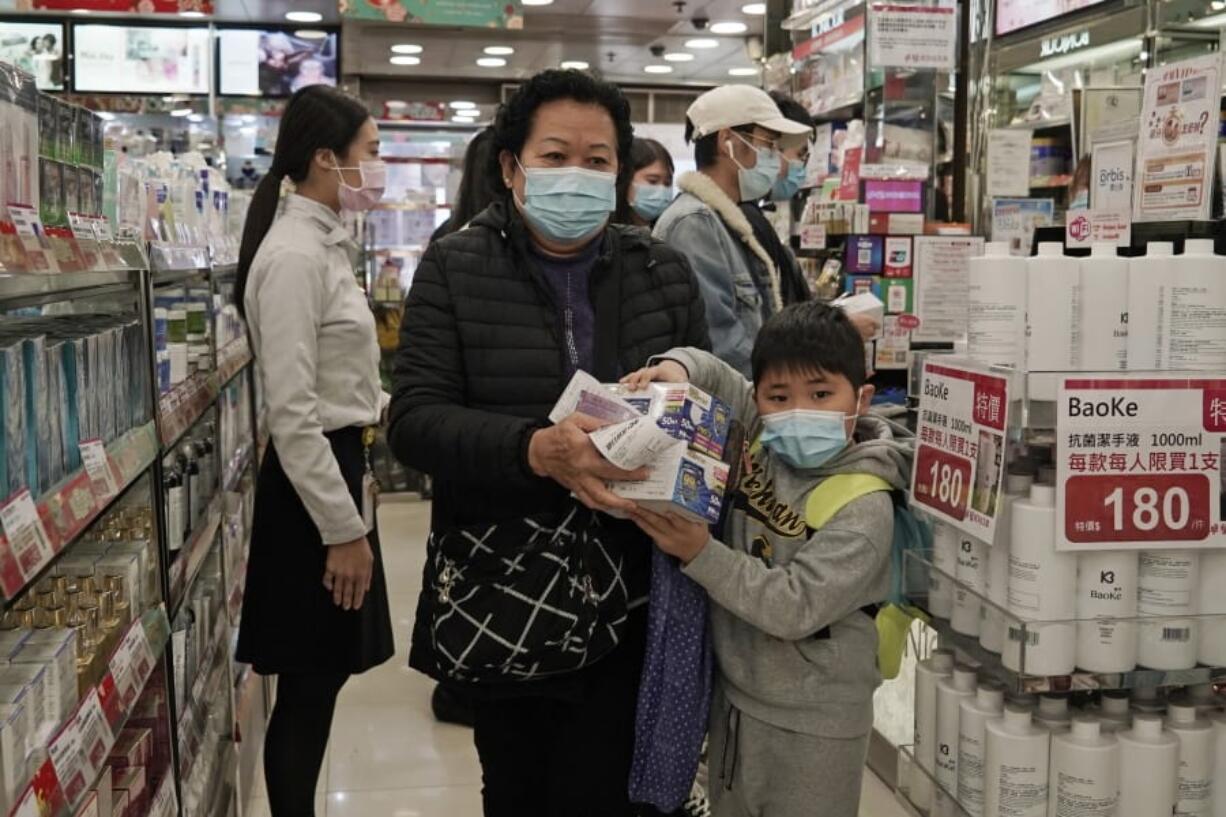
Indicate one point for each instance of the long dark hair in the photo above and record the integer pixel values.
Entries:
(643, 153)
(476, 191)
(317, 117)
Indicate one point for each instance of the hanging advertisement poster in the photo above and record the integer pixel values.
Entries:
(463, 13)
(960, 445)
(1015, 220)
(1139, 463)
(941, 266)
(1178, 142)
(912, 36)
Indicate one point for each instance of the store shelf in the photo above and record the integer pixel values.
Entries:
(34, 287)
(237, 467)
(918, 791)
(191, 557)
(206, 672)
(79, 748)
(232, 359)
(1049, 182)
(919, 572)
(70, 508)
(181, 407)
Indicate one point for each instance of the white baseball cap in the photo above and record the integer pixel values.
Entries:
(731, 106)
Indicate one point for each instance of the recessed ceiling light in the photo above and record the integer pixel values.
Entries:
(537, 2)
(191, 14)
(678, 56)
(702, 43)
(742, 72)
(658, 69)
(491, 62)
(303, 16)
(311, 34)
(181, 112)
(754, 9)
(462, 105)
(406, 48)
(729, 27)
(499, 50)
(397, 104)
(401, 60)
(82, 11)
(575, 65)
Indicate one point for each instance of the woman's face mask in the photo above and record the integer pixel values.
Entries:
(651, 200)
(789, 185)
(369, 192)
(567, 204)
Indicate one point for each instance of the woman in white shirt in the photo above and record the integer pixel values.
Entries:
(315, 609)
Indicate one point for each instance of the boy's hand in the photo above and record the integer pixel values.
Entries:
(672, 534)
(666, 371)
(867, 327)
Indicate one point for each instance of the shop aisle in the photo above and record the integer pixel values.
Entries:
(388, 757)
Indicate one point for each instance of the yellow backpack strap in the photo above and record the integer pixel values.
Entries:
(829, 497)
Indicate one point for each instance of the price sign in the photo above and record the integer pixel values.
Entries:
(98, 465)
(27, 537)
(132, 663)
(71, 764)
(96, 737)
(1139, 463)
(813, 236)
(959, 460)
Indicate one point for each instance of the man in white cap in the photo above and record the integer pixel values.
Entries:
(736, 131)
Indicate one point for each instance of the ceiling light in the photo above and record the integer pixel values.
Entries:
(82, 11)
(729, 27)
(702, 43)
(195, 117)
(396, 104)
(491, 62)
(191, 14)
(303, 16)
(311, 34)
(105, 116)
(537, 2)
(406, 48)
(658, 69)
(575, 65)
(499, 50)
(678, 56)
(754, 9)
(463, 105)
(464, 120)
(742, 72)
(181, 112)
(405, 60)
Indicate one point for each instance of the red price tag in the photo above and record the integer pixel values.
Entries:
(942, 481)
(1138, 508)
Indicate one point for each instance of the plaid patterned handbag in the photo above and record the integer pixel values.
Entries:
(525, 599)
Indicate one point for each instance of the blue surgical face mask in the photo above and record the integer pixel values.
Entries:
(804, 438)
(755, 182)
(790, 184)
(567, 204)
(650, 200)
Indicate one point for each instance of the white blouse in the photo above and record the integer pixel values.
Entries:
(317, 355)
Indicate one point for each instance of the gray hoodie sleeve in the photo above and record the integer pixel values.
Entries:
(842, 568)
(718, 379)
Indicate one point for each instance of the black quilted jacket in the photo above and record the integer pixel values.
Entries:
(481, 363)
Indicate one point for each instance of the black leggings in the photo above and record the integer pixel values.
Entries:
(297, 740)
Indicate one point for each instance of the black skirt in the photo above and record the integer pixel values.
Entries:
(290, 623)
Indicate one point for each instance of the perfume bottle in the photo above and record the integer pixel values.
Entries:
(118, 588)
(79, 623)
(107, 613)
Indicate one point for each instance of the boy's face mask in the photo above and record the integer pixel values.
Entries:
(807, 439)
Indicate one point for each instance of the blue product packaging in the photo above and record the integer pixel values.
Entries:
(55, 411)
(686, 413)
(865, 255)
(682, 482)
(12, 418)
(38, 443)
(70, 384)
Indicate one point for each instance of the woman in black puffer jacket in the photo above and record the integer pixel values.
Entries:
(499, 317)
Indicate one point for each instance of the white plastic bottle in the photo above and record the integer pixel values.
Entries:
(1042, 588)
(952, 690)
(972, 584)
(1196, 760)
(1149, 769)
(927, 673)
(992, 625)
(1148, 277)
(1104, 310)
(996, 306)
(1106, 593)
(1016, 771)
(1219, 763)
(1053, 713)
(1148, 701)
(1213, 603)
(1085, 772)
(1114, 712)
(987, 705)
(1168, 586)
(1194, 311)
(1053, 287)
(945, 562)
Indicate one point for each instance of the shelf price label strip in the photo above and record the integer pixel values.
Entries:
(80, 748)
(36, 532)
(182, 406)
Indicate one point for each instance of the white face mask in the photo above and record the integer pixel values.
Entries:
(374, 182)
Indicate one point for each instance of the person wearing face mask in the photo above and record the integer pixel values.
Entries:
(500, 316)
(315, 608)
(649, 190)
(795, 156)
(806, 558)
(736, 130)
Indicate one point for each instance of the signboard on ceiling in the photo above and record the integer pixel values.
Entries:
(127, 6)
(508, 14)
(1012, 15)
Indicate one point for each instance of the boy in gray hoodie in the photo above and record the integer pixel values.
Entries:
(793, 604)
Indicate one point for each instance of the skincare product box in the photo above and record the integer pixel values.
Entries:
(865, 254)
(899, 295)
(58, 663)
(861, 284)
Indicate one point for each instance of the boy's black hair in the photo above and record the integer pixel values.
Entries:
(810, 336)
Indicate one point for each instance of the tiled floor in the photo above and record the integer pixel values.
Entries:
(388, 757)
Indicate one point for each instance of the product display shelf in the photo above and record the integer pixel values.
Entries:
(921, 574)
(919, 792)
(232, 359)
(197, 701)
(237, 466)
(23, 289)
(68, 510)
(186, 567)
(79, 747)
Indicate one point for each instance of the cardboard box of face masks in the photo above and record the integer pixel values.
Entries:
(674, 429)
